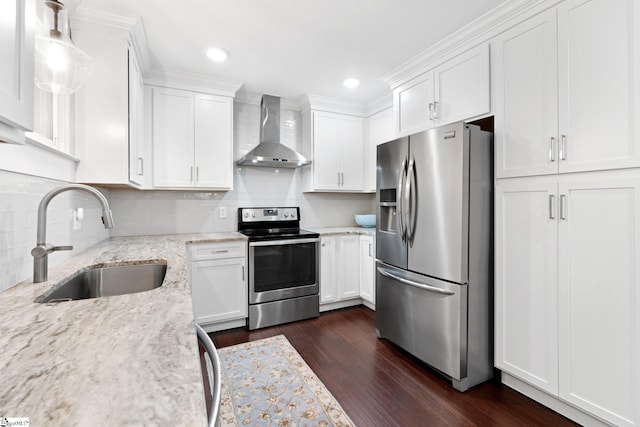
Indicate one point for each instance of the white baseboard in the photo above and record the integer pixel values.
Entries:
(553, 402)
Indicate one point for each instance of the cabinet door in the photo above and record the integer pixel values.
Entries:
(213, 141)
(462, 87)
(599, 71)
(367, 265)
(16, 73)
(219, 290)
(526, 282)
(328, 273)
(350, 152)
(136, 135)
(326, 162)
(599, 297)
(412, 105)
(526, 120)
(173, 138)
(348, 266)
(380, 130)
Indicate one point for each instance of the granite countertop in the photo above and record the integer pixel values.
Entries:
(121, 360)
(329, 231)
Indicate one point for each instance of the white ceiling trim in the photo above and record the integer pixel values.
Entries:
(489, 25)
(191, 81)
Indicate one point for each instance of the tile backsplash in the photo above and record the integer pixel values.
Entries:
(159, 212)
(20, 196)
(164, 212)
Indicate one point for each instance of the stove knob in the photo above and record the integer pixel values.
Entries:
(246, 214)
(253, 215)
(286, 214)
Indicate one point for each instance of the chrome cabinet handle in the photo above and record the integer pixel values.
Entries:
(197, 173)
(552, 153)
(552, 214)
(431, 111)
(435, 110)
(370, 249)
(338, 179)
(140, 166)
(563, 208)
(191, 175)
(419, 285)
(243, 273)
(563, 147)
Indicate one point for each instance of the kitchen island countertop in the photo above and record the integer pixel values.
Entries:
(121, 360)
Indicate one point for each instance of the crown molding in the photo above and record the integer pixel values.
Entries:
(333, 105)
(378, 104)
(179, 79)
(138, 37)
(487, 26)
(94, 16)
(256, 99)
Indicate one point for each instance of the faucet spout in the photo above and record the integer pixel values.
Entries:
(43, 249)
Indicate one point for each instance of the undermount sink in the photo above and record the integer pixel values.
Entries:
(96, 282)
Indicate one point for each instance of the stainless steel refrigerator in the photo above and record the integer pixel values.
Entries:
(434, 249)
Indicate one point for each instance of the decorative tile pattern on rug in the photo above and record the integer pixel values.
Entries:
(267, 383)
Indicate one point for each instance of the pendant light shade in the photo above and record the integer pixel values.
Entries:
(60, 66)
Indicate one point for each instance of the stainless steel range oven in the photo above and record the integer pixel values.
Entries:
(284, 266)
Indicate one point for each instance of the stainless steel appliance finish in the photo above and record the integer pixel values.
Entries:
(270, 152)
(284, 266)
(434, 245)
(108, 281)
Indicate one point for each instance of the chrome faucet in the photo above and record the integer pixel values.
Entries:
(43, 249)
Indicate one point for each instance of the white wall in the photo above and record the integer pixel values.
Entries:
(20, 196)
(158, 212)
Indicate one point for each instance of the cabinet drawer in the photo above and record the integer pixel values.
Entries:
(206, 251)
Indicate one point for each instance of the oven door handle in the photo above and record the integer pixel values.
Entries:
(284, 242)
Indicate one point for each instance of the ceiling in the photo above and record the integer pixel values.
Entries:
(291, 47)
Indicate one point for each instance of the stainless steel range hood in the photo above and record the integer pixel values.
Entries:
(270, 152)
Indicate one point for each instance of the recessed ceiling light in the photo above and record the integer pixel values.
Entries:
(217, 54)
(351, 82)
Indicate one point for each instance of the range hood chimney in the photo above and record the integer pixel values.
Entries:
(270, 152)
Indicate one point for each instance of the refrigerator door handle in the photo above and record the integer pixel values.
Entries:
(400, 200)
(411, 208)
(418, 285)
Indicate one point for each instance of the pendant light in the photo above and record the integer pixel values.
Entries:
(60, 66)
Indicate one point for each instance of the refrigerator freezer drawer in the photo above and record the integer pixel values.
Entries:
(425, 316)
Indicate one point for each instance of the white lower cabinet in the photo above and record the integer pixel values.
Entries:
(567, 289)
(218, 284)
(367, 266)
(346, 271)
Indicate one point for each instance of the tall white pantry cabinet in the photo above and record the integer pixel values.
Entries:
(567, 206)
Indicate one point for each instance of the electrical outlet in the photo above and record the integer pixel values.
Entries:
(222, 212)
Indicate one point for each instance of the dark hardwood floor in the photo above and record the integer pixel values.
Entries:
(379, 384)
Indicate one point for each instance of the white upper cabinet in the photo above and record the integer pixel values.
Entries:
(109, 108)
(16, 72)
(566, 90)
(137, 146)
(379, 130)
(526, 119)
(459, 89)
(192, 137)
(599, 70)
(337, 148)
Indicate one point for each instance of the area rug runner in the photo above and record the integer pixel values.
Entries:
(266, 383)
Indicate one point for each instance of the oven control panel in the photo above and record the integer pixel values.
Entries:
(267, 214)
